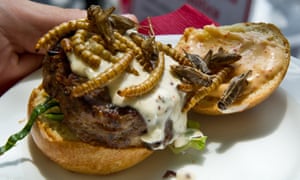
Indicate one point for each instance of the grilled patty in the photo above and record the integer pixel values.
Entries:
(93, 117)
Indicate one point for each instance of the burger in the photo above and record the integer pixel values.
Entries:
(110, 96)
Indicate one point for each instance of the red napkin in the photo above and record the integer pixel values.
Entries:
(176, 21)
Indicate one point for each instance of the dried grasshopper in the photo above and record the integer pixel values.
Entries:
(197, 62)
(192, 75)
(121, 23)
(222, 58)
(201, 92)
(99, 19)
(234, 90)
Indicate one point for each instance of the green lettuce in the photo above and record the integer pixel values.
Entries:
(194, 137)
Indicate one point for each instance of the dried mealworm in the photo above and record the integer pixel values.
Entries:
(137, 50)
(186, 87)
(54, 35)
(130, 44)
(81, 49)
(90, 58)
(98, 49)
(118, 45)
(176, 55)
(65, 43)
(149, 83)
(102, 79)
(79, 37)
(97, 38)
(236, 86)
(137, 38)
(204, 91)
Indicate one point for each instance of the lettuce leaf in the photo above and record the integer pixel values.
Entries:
(194, 138)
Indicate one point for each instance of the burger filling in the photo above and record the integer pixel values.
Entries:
(160, 109)
(154, 120)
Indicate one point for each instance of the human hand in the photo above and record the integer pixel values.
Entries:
(21, 25)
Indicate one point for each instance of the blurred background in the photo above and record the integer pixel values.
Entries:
(282, 13)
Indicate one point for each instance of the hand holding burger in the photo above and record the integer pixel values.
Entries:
(118, 92)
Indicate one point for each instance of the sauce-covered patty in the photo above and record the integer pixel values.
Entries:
(103, 117)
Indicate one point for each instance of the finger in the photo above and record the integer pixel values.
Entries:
(31, 20)
(28, 63)
(18, 69)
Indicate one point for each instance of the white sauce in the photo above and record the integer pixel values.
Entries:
(157, 107)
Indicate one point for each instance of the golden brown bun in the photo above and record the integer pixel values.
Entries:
(61, 146)
(261, 46)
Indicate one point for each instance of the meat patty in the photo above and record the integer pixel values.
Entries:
(93, 117)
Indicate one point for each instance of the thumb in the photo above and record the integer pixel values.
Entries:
(26, 64)
(35, 19)
(46, 16)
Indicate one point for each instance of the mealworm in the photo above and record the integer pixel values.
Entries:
(176, 55)
(130, 44)
(90, 58)
(102, 79)
(65, 43)
(97, 38)
(54, 35)
(79, 37)
(99, 49)
(137, 50)
(186, 87)
(204, 91)
(149, 83)
(81, 49)
(119, 45)
(137, 38)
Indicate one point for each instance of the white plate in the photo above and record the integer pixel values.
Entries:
(262, 143)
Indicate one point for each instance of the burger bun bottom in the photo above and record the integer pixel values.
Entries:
(62, 147)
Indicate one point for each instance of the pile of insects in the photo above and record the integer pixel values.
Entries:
(102, 36)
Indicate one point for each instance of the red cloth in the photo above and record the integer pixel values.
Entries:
(176, 21)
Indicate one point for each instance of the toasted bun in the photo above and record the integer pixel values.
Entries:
(264, 50)
(61, 146)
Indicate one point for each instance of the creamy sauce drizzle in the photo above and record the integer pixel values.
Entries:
(157, 107)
